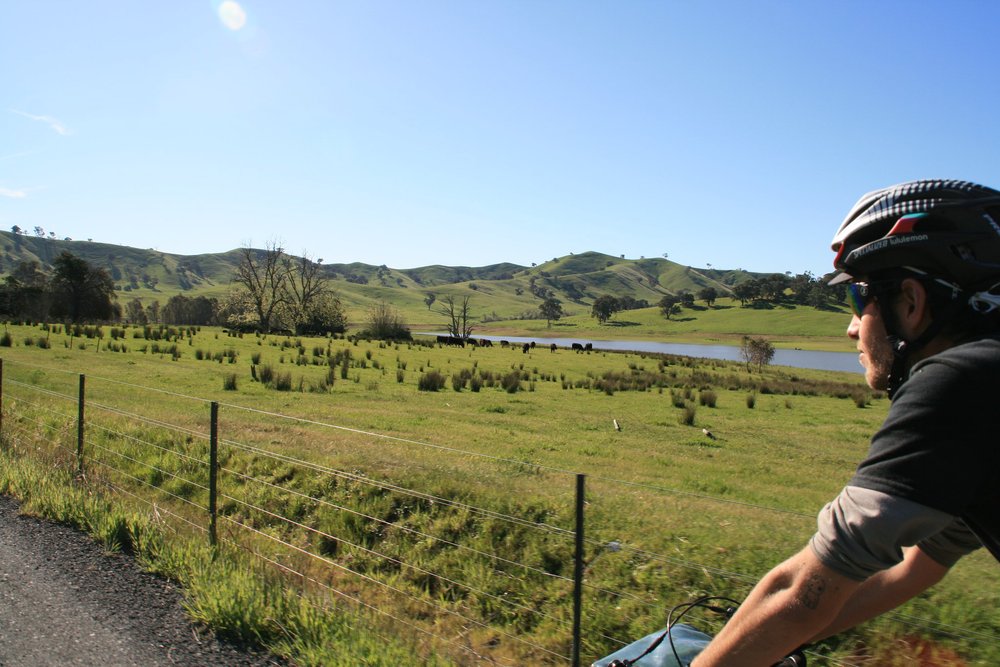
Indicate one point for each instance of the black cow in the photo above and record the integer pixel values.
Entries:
(525, 348)
(552, 347)
(588, 347)
(577, 347)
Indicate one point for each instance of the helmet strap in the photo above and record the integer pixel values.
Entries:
(903, 349)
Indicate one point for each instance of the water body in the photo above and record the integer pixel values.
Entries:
(825, 361)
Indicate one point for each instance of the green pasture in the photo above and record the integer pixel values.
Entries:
(671, 511)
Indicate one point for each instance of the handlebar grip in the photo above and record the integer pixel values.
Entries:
(794, 660)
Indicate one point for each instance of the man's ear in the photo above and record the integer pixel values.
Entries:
(912, 305)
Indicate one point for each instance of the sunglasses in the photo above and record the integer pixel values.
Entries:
(859, 295)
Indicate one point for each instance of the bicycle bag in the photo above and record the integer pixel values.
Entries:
(687, 641)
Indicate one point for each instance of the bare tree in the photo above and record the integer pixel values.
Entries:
(305, 284)
(262, 274)
(458, 316)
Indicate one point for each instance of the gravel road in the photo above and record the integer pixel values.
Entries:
(65, 601)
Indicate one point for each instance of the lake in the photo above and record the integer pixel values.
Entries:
(826, 361)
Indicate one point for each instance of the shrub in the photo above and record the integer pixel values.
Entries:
(229, 382)
(687, 415)
(266, 374)
(255, 358)
(458, 382)
(400, 376)
(283, 381)
(860, 398)
(6, 340)
(708, 398)
(511, 382)
(431, 381)
(751, 401)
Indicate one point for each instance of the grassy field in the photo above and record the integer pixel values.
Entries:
(454, 507)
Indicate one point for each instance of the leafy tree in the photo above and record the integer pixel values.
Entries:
(325, 315)
(153, 312)
(756, 351)
(134, 312)
(687, 299)
(25, 292)
(551, 309)
(604, 308)
(430, 299)
(708, 295)
(669, 305)
(80, 291)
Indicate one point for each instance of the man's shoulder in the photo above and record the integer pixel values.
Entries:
(978, 355)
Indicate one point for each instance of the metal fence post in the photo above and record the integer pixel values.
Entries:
(578, 570)
(79, 424)
(1, 399)
(213, 472)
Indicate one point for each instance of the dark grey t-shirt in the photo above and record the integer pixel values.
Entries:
(935, 460)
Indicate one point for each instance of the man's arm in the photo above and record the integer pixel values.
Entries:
(802, 601)
(793, 603)
(887, 590)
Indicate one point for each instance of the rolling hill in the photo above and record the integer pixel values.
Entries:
(503, 290)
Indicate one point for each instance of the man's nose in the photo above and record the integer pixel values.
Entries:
(854, 327)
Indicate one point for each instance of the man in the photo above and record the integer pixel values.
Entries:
(922, 263)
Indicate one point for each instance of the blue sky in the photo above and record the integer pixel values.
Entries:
(416, 132)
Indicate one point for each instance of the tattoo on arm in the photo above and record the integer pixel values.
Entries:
(813, 591)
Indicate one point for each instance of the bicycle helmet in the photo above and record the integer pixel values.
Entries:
(949, 229)
(944, 233)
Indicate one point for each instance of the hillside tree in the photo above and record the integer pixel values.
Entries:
(551, 309)
(604, 308)
(669, 305)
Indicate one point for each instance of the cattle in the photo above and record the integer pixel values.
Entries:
(552, 347)
(588, 347)
(485, 342)
(525, 348)
(577, 347)
(451, 340)
(532, 345)
(504, 343)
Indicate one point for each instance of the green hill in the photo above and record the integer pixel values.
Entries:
(503, 297)
(509, 288)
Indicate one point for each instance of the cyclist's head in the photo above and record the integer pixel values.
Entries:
(945, 234)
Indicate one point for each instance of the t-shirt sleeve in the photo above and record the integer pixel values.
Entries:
(862, 531)
(949, 545)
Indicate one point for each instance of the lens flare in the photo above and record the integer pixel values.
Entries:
(232, 15)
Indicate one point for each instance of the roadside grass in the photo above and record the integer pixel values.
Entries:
(671, 513)
(225, 590)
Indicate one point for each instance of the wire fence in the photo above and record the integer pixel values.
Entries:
(351, 514)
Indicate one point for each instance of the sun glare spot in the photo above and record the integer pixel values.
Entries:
(232, 15)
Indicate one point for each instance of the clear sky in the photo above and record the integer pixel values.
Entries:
(732, 133)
